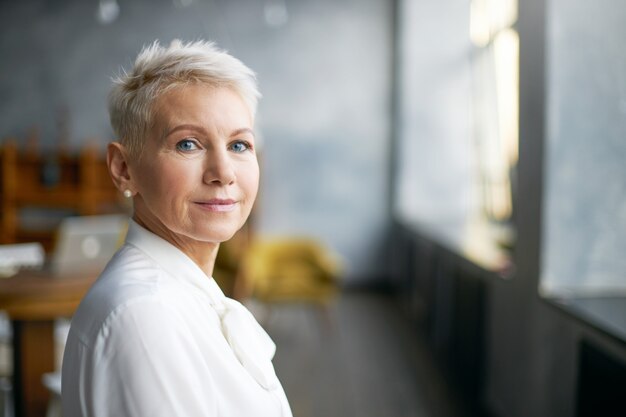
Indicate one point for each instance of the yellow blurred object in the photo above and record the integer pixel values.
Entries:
(290, 269)
(227, 270)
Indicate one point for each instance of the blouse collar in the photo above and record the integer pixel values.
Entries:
(173, 260)
(250, 343)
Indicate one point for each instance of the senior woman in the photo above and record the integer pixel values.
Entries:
(155, 335)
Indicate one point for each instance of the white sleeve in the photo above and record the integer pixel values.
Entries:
(147, 364)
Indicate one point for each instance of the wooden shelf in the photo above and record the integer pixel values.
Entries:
(78, 184)
(62, 197)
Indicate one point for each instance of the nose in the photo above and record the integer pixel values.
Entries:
(219, 168)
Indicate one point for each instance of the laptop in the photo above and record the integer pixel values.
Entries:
(87, 243)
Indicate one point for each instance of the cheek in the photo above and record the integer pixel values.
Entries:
(249, 180)
(165, 182)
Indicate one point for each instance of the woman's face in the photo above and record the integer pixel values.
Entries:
(197, 177)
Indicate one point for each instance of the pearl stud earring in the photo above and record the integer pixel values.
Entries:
(128, 193)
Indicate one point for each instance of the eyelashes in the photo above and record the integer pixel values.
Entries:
(240, 146)
(187, 145)
(190, 145)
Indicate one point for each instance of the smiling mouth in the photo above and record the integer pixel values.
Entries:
(217, 205)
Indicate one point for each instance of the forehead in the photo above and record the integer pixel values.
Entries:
(201, 103)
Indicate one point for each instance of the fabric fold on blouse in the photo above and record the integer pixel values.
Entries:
(250, 342)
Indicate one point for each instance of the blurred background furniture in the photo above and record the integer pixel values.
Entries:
(6, 367)
(38, 188)
(34, 300)
(291, 269)
(52, 381)
(227, 271)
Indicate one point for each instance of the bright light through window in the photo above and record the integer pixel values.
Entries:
(495, 101)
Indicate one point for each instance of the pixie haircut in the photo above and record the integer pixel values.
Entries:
(159, 69)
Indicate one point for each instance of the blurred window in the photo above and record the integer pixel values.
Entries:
(457, 125)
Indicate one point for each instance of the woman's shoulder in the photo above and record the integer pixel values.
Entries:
(130, 263)
(128, 274)
(130, 278)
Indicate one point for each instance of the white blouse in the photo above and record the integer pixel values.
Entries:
(155, 336)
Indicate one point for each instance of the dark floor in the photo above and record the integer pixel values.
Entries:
(363, 358)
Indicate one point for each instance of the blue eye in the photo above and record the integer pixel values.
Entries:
(240, 146)
(186, 145)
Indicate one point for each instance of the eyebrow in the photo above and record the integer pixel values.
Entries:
(236, 132)
(167, 133)
(242, 130)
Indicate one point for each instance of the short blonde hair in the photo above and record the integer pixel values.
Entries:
(158, 69)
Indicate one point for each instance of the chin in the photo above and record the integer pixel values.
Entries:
(216, 235)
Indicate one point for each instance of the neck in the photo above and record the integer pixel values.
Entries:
(202, 254)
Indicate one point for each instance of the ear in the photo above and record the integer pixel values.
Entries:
(117, 161)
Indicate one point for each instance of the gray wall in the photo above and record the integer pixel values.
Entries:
(324, 118)
(585, 149)
(435, 171)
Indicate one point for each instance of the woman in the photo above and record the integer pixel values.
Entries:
(155, 336)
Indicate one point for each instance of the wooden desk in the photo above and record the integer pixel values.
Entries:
(33, 300)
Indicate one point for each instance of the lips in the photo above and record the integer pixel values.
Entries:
(217, 204)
